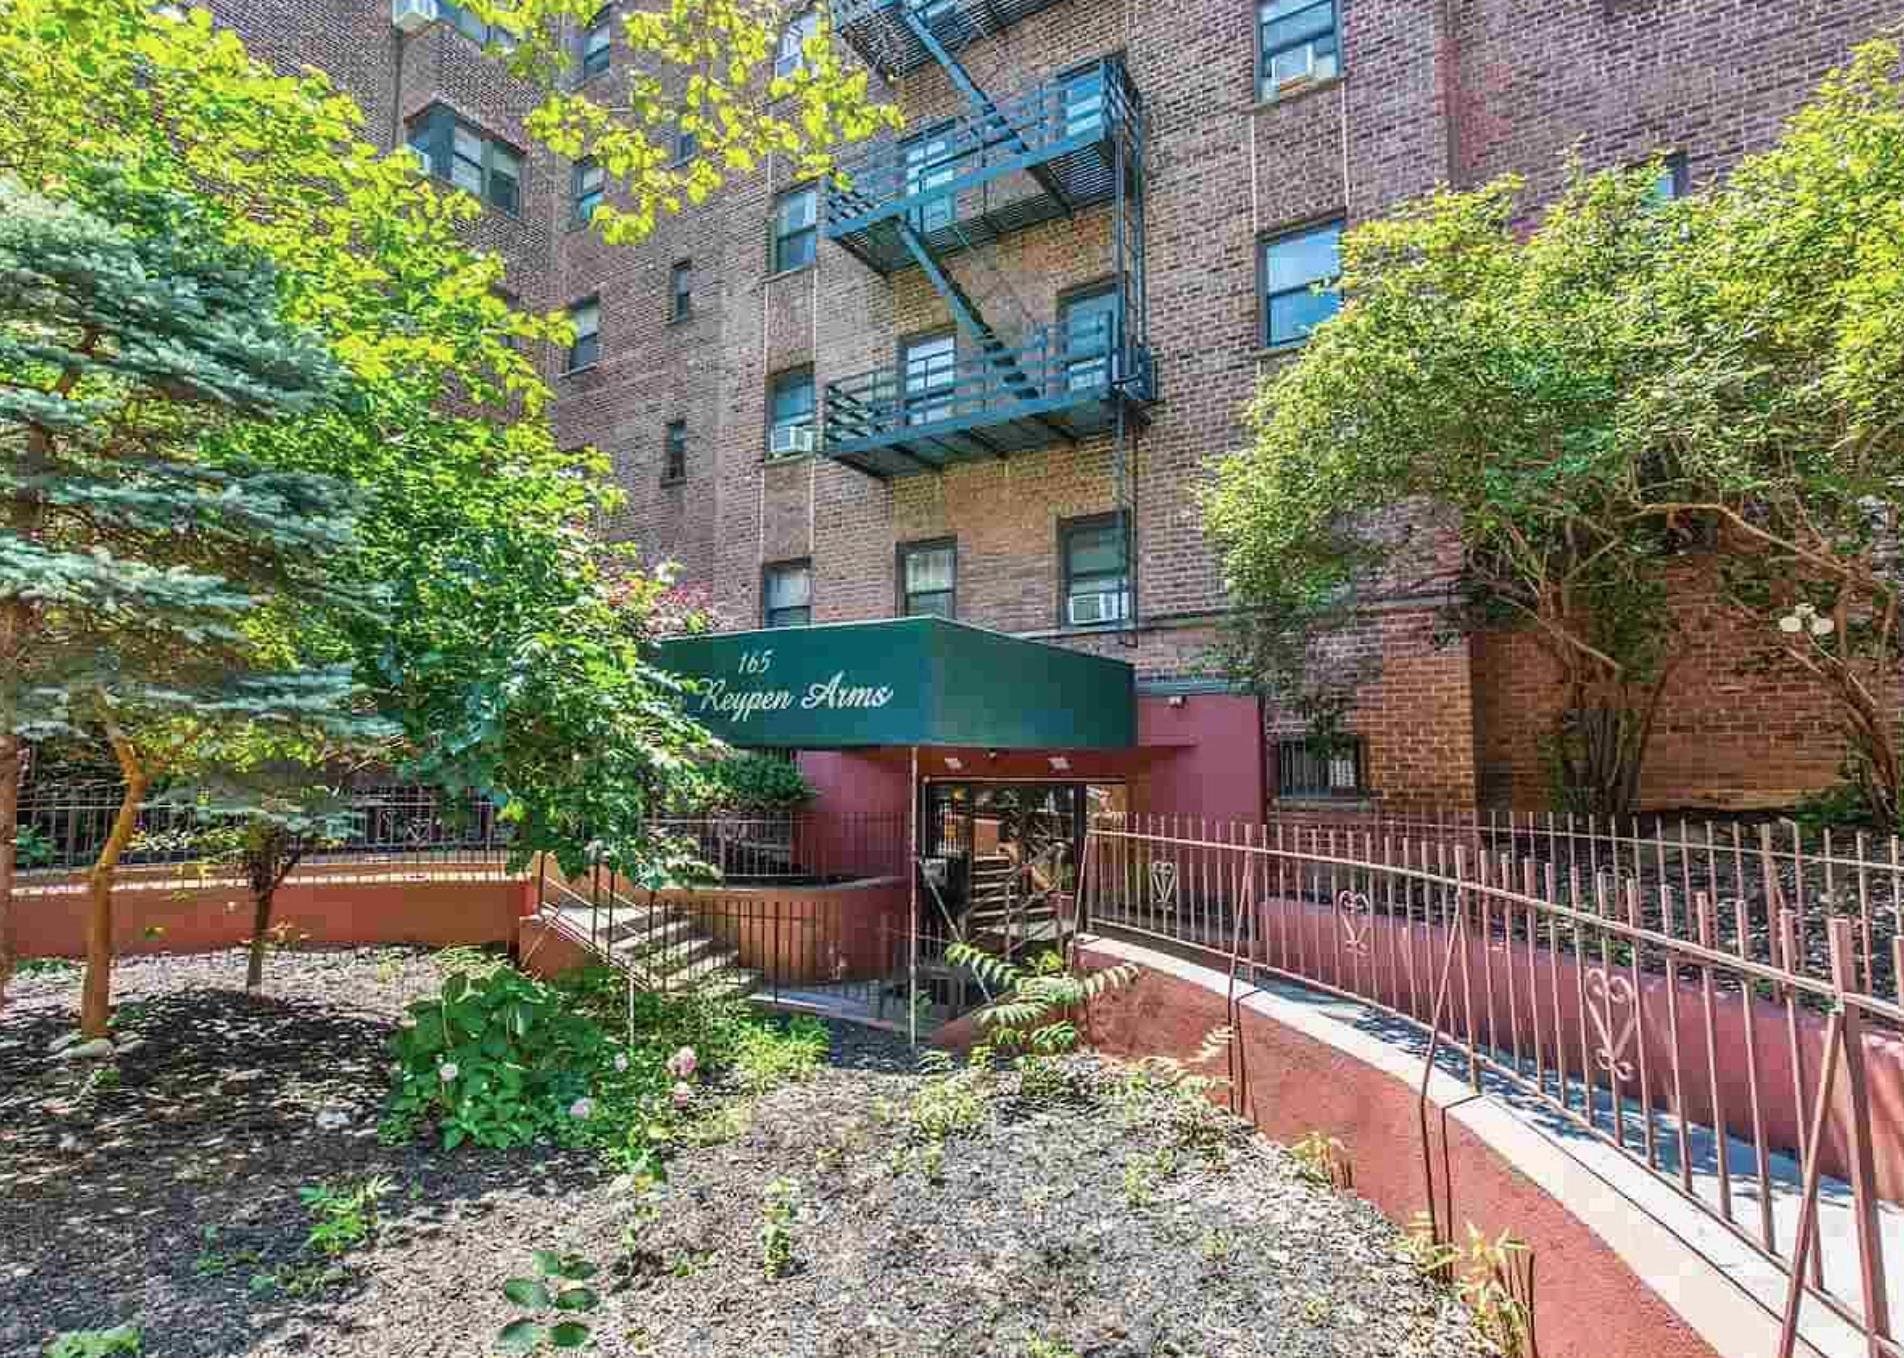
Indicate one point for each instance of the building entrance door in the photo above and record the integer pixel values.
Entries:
(994, 851)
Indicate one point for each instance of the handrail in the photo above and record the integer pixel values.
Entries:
(1017, 133)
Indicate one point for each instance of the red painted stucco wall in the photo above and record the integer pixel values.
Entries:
(160, 911)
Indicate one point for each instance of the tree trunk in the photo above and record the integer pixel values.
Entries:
(95, 1002)
(9, 833)
(260, 923)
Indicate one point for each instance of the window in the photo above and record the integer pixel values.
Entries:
(928, 572)
(1674, 179)
(790, 413)
(1306, 769)
(686, 146)
(786, 594)
(681, 290)
(586, 317)
(1095, 554)
(792, 55)
(1090, 333)
(796, 236)
(674, 452)
(470, 26)
(929, 165)
(929, 368)
(1299, 272)
(586, 184)
(1297, 41)
(454, 150)
(1081, 94)
(598, 41)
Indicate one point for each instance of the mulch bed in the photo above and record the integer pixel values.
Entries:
(1075, 1219)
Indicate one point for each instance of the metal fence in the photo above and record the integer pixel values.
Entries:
(795, 847)
(63, 827)
(1661, 1021)
(859, 961)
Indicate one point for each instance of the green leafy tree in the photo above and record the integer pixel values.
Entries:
(1453, 434)
(145, 551)
(1632, 399)
(1775, 415)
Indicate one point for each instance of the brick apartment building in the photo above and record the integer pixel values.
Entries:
(987, 377)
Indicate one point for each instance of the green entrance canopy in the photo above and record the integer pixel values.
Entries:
(903, 681)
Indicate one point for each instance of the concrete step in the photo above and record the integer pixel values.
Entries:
(671, 959)
(704, 966)
(642, 941)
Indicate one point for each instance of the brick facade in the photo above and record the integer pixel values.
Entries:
(1430, 92)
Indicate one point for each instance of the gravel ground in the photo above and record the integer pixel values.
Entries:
(1074, 1218)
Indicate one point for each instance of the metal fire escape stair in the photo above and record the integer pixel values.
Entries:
(965, 312)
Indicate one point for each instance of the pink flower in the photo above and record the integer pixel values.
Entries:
(683, 1094)
(683, 1064)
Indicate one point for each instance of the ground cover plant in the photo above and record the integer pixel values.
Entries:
(795, 1189)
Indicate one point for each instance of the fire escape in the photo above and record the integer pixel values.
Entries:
(1070, 143)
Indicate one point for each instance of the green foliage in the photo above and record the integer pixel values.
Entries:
(343, 1217)
(1032, 1013)
(1703, 396)
(780, 1204)
(1492, 1276)
(32, 848)
(552, 1302)
(1323, 1160)
(1040, 1347)
(747, 782)
(1143, 1173)
(498, 1060)
(96, 1343)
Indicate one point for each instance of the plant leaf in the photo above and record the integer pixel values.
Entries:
(576, 1299)
(570, 1334)
(527, 1292)
(520, 1336)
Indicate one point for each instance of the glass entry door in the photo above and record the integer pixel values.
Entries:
(983, 840)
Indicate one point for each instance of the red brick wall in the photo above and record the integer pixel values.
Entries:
(1459, 90)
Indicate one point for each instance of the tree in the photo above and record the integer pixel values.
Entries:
(1632, 398)
(509, 645)
(144, 550)
(1452, 434)
(1776, 413)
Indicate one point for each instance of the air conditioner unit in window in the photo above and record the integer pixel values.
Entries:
(1085, 610)
(785, 440)
(410, 15)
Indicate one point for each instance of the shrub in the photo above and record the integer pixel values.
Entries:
(750, 782)
(498, 1060)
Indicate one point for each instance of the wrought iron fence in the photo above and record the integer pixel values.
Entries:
(855, 959)
(794, 847)
(1751, 868)
(63, 827)
(1660, 1021)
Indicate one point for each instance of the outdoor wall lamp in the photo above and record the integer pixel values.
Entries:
(1059, 764)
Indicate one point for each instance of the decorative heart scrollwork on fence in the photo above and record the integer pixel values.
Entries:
(730, 829)
(1353, 910)
(1607, 993)
(1163, 884)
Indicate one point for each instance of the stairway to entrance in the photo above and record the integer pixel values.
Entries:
(659, 948)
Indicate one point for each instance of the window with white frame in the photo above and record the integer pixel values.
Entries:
(1089, 321)
(1297, 43)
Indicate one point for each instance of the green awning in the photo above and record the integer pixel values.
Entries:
(903, 681)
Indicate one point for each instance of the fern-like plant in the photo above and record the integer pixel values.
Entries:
(1035, 1004)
